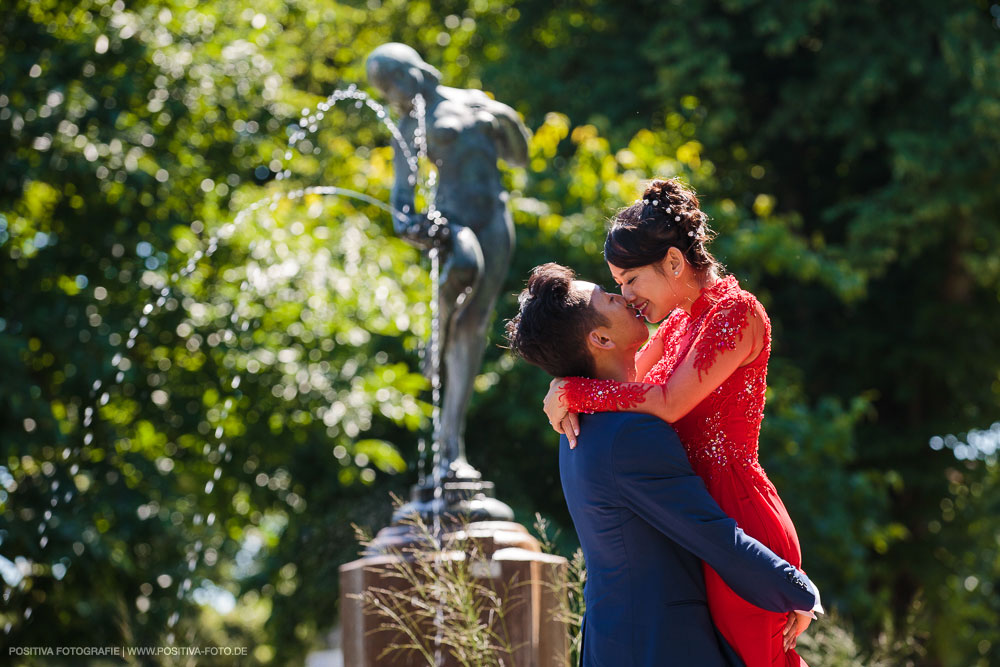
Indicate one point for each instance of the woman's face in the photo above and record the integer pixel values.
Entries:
(649, 289)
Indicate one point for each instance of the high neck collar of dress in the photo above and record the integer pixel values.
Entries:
(714, 294)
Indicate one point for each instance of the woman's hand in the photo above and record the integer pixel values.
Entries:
(796, 625)
(561, 420)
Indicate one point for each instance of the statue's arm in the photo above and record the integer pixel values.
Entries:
(402, 198)
(512, 136)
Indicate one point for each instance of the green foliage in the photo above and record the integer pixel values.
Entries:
(846, 154)
(177, 408)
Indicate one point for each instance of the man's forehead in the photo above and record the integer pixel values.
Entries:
(587, 287)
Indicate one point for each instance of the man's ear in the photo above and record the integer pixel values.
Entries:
(597, 339)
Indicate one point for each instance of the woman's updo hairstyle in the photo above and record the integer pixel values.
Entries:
(666, 217)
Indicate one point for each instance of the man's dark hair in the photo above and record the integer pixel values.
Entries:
(551, 326)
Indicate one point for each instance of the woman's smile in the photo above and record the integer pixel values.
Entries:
(640, 308)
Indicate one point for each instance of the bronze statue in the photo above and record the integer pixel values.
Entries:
(466, 133)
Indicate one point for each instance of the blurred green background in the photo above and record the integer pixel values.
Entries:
(847, 153)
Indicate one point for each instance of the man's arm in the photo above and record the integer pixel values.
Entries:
(654, 477)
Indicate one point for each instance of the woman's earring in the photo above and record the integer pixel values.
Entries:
(677, 273)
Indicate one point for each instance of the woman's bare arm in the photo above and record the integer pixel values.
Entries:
(706, 366)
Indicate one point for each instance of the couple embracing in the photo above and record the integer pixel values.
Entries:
(692, 558)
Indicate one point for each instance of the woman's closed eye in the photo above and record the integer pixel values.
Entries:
(627, 282)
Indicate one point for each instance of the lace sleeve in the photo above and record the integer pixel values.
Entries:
(723, 329)
(588, 396)
(659, 334)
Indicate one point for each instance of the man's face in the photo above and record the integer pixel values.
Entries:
(623, 327)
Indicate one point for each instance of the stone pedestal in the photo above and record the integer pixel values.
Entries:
(505, 559)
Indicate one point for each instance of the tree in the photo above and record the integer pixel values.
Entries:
(270, 395)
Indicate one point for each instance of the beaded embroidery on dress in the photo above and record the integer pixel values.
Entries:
(601, 395)
(723, 429)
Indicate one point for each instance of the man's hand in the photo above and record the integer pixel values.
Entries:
(562, 420)
(796, 625)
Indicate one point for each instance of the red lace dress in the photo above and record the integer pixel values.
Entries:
(720, 435)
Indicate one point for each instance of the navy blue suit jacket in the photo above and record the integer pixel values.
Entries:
(645, 521)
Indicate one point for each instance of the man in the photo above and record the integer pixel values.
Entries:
(643, 517)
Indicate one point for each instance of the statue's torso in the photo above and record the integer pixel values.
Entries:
(461, 144)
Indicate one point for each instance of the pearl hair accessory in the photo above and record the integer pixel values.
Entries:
(668, 209)
(655, 203)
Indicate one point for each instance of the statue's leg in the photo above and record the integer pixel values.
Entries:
(467, 335)
(459, 282)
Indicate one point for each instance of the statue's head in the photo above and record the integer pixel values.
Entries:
(399, 73)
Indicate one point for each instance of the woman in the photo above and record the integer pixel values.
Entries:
(703, 371)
